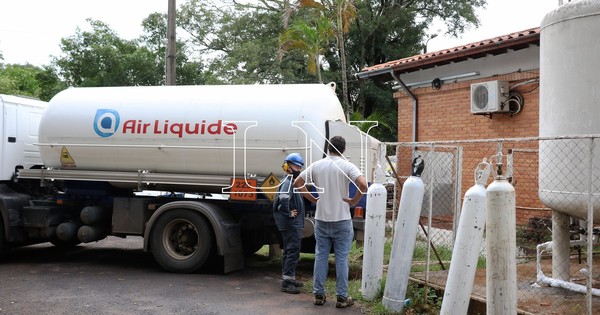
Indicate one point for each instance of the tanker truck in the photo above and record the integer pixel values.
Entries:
(191, 169)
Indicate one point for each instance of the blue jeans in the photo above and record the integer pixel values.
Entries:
(292, 240)
(339, 235)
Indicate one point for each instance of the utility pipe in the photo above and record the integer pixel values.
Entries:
(415, 105)
(543, 279)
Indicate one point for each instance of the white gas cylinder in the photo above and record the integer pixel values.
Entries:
(372, 269)
(465, 253)
(405, 237)
(501, 255)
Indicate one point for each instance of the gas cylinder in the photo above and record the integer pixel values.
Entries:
(405, 237)
(465, 253)
(501, 266)
(372, 269)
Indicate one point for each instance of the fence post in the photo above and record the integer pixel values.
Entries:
(590, 226)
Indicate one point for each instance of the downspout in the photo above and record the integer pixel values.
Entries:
(415, 105)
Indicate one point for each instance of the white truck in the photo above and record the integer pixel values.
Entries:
(192, 169)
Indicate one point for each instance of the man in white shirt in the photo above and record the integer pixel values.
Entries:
(333, 223)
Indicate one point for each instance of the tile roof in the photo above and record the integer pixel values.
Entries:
(493, 46)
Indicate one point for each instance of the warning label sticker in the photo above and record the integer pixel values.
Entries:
(66, 160)
(269, 186)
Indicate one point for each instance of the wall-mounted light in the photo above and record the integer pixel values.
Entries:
(428, 82)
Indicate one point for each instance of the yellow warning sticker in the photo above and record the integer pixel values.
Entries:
(269, 186)
(65, 158)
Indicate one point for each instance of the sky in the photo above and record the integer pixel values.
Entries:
(31, 30)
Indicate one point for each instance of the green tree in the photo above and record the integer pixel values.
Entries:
(19, 80)
(155, 40)
(309, 40)
(49, 82)
(101, 58)
(386, 123)
(343, 13)
(240, 43)
(29, 80)
(394, 29)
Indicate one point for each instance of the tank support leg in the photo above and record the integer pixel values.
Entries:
(560, 249)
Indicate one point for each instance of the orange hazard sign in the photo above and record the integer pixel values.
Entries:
(243, 189)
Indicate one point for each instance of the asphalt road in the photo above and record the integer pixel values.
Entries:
(115, 276)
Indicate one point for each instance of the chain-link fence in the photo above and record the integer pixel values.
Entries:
(556, 274)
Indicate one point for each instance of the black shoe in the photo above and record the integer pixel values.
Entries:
(297, 284)
(289, 287)
(320, 299)
(343, 302)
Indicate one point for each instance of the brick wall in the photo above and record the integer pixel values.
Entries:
(445, 114)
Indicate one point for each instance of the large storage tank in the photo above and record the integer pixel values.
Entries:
(570, 105)
(187, 129)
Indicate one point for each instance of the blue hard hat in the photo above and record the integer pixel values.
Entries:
(295, 159)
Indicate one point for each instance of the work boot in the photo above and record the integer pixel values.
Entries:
(288, 286)
(297, 284)
(320, 299)
(343, 302)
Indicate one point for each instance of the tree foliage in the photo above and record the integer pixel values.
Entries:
(19, 80)
(393, 29)
(101, 58)
(29, 80)
(310, 40)
(239, 43)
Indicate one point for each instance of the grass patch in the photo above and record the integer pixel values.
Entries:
(414, 292)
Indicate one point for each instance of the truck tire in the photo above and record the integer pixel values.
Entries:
(181, 241)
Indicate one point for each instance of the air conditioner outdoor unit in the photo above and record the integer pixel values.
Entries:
(489, 97)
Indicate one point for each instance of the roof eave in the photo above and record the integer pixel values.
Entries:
(464, 54)
(495, 46)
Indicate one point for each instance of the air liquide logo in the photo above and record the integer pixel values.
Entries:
(106, 122)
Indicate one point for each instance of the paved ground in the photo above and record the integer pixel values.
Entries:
(115, 276)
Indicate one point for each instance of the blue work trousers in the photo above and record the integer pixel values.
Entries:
(338, 234)
(291, 252)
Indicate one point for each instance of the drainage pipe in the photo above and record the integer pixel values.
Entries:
(415, 105)
(543, 279)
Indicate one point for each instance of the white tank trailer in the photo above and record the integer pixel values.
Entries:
(101, 147)
(569, 98)
(186, 129)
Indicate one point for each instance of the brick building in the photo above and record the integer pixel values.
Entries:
(437, 103)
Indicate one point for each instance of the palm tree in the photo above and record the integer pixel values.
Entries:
(346, 12)
(384, 123)
(343, 12)
(310, 40)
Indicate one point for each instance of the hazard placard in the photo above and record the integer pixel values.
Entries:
(269, 186)
(65, 158)
(243, 189)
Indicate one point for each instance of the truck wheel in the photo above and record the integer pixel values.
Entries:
(181, 241)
